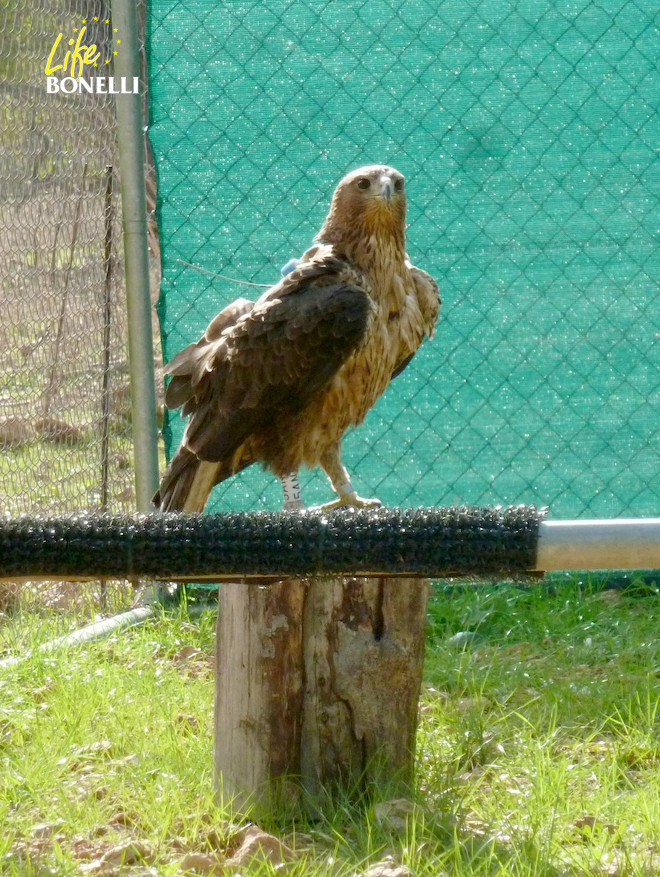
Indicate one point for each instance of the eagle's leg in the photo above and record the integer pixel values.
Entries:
(347, 496)
(292, 495)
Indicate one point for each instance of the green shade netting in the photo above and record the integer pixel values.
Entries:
(527, 132)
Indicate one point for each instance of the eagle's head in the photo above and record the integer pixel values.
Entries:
(368, 202)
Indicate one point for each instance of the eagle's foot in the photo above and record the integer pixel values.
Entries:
(350, 500)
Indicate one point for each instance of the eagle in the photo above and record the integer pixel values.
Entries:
(278, 381)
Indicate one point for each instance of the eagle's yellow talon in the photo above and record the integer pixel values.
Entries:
(350, 500)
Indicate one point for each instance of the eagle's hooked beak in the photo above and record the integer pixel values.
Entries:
(386, 188)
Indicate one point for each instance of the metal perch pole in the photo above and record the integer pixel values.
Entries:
(134, 218)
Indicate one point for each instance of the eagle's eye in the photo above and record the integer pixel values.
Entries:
(363, 183)
(398, 185)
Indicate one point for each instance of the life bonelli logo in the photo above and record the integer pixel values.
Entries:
(79, 67)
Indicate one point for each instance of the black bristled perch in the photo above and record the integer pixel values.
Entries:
(422, 542)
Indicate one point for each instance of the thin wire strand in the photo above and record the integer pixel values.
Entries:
(224, 276)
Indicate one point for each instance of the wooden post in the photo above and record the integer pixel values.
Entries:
(317, 687)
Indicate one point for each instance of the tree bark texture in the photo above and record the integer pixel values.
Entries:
(317, 687)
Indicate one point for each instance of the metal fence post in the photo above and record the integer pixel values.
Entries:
(134, 221)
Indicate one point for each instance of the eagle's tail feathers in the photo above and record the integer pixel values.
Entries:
(187, 484)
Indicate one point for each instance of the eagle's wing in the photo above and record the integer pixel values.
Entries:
(278, 353)
(428, 299)
(419, 316)
(189, 365)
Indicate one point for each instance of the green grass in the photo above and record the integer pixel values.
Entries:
(538, 747)
(73, 470)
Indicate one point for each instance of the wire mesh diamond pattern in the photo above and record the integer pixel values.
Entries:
(65, 431)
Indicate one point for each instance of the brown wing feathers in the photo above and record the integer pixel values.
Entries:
(270, 359)
(276, 360)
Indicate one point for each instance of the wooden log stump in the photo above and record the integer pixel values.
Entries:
(317, 688)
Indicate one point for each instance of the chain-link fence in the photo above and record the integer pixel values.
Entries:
(65, 432)
(528, 134)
